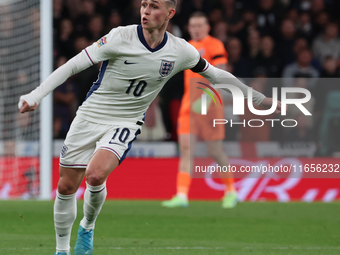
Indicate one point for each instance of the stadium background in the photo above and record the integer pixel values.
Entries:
(129, 223)
(264, 39)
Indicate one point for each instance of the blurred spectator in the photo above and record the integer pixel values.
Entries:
(65, 39)
(286, 41)
(301, 68)
(191, 6)
(327, 44)
(220, 32)
(96, 28)
(301, 44)
(320, 22)
(216, 16)
(254, 44)
(233, 16)
(84, 80)
(59, 13)
(169, 103)
(268, 59)
(241, 65)
(105, 7)
(174, 29)
(76, 6)
(65, 103)
(317, 6)
(115, 20)
(34, 19)
(83, 19)
(132, 14)
(330, 68)
(249, 22)
(305, 27)
(293, 15)
(302, 5)
(58, 129)
(268, 18)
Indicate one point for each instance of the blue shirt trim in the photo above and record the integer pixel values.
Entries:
(96, 85)
(143, 41)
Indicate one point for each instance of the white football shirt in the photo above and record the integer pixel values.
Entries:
(132, 74)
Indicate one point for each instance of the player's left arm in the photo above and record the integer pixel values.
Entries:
(218, 76)
(192, 60)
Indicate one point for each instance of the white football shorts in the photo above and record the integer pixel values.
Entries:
(84, 138)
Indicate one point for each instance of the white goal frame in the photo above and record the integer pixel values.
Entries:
(46, 107)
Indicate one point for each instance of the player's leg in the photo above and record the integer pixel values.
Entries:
(101, 165)
(215, 150)
(79, 145)
(183, 177)
(65, 206)
(111, 149)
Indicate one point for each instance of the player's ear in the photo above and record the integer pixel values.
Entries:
(171, 13)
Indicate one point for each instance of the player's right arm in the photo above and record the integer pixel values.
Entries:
(99, 51)
(76, 64)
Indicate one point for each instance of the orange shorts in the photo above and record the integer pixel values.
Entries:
(201, 126)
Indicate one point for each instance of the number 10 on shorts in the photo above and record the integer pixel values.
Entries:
(123, 135)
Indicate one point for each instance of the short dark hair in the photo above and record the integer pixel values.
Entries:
(199, 15)
(172, 2)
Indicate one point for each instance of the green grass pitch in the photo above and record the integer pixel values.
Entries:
(144, 227)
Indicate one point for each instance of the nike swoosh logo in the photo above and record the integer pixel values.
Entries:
(128, 63)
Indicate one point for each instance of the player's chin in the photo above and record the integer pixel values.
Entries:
(145, 25)
(148, 27)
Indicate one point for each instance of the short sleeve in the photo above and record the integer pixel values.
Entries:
(190, 56)
(105, 48)
(218, 54)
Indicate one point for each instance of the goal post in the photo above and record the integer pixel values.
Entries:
(26, 57)
(46, 112)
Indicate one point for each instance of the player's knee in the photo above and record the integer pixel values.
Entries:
(215, 153)
(66, 187)
(95, 178)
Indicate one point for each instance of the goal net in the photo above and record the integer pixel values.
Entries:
(19, 74)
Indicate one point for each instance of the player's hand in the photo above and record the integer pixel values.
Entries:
(267, 104)
(27, 103)
(26, 108)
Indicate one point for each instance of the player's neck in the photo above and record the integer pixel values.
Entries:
(201, 39)
(154, 37)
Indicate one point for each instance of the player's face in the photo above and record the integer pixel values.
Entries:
(198, 28)
(155, 13)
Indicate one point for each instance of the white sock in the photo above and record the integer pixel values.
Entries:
(94, 199)
(182, 195)
(65, 213)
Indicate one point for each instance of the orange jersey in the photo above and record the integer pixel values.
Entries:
(214, 52)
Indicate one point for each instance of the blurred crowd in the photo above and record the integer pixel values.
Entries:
(297, 40)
